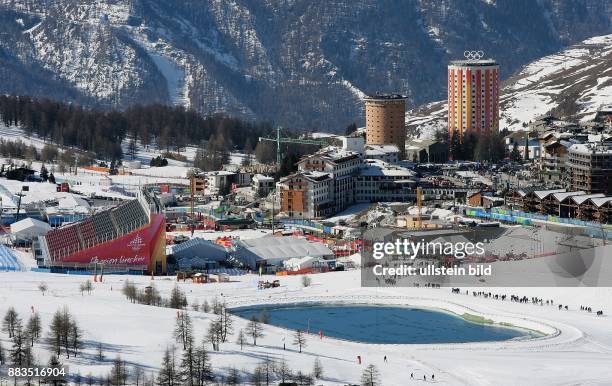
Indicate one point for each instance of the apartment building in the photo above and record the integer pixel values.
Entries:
(552, 162)
(341, 165)
(590, 167)
(262, 185)
(380, 181)
(386, 153)
(307, 194)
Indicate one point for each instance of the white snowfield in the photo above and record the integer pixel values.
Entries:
(575, 68)
(576, 350)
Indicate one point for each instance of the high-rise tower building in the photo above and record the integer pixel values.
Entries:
(386, 120)
(473, 95)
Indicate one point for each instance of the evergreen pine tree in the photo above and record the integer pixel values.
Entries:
(233, 377)
(215, 334)
(100, 352)
(64, 333)
(299, 339)
(177, 298)
(202, 366)
(317, 369)
(78, 379)
(44, 173)
(138, 375)
(34, 328)
(241, 339)
(205, 306)
(268, 368)
(183, 330)
(303, 379)
(75, 337)
(370, 376)
(10, 322)
(254, 329)
(188, 364)
(227, 324)
(498, 146)
(119, 373)
(283, 371)
(455, 147)
(52, 379)
(20, 353)
(168, 374)
(515, 155)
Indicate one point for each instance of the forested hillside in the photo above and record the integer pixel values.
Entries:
(101, 132)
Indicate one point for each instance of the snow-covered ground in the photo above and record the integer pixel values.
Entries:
(170, 171)
(242, 234)
(144, 154)
(425, 121)
(37, 192)
(577, 351)
(14, 134)
(582, 69)
(349, 213)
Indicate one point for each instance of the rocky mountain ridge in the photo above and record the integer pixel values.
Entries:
(297, 63)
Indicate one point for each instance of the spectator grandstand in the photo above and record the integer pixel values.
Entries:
(128, 235)
(8, 260)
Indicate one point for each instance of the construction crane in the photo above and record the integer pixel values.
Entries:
(419, 198)
(192, 188)
(280, 140)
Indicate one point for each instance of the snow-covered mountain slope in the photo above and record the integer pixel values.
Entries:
(570, 84)
(299, 63)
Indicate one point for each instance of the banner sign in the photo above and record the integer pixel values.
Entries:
(135, 248)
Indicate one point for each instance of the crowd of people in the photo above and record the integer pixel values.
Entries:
(589, 309)
(428, 285)
(522, 299)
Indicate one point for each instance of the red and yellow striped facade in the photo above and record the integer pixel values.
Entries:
(473, 97)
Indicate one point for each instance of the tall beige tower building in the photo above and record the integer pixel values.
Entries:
(386, 120)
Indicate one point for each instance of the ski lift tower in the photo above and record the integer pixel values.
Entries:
(280, 140)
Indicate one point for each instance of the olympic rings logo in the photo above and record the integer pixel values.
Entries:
(473, 55)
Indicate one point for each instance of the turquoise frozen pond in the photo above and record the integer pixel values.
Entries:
(380, 324)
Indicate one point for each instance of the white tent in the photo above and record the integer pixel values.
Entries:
(275, 250)
(28, 229)
(297, 263)
(73, 204)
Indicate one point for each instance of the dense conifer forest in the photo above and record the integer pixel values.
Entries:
(101, 132)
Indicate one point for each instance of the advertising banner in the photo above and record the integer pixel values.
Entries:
(131, 249)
